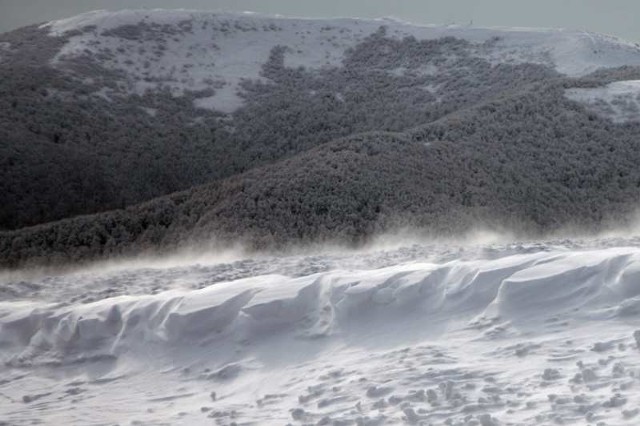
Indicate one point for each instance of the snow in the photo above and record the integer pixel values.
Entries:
(618, 101)
(222, 49)
(224, 100)
(539, 333)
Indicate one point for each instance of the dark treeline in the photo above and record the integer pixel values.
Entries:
(67, 149)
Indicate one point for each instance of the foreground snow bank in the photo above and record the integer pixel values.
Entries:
(519, 289)
(406, 343)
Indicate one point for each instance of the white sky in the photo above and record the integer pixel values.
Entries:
(616, 17)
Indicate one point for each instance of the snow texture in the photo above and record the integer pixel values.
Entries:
(543, 333)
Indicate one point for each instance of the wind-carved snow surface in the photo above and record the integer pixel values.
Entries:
(519, 334)
(192, 51)
(618, 101)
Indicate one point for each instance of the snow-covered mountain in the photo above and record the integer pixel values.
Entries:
(503, 334)
(135, 133)
(191, 50)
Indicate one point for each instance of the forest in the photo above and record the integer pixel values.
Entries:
(340, 153)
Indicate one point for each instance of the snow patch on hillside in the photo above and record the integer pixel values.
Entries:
(193, 51)
(184, 50)
(618, 101)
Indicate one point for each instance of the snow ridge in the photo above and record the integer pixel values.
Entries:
(409, 342)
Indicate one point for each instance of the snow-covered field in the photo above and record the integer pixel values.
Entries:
(524, 334)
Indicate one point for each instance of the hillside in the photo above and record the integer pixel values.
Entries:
(276, 131)
(535, 173)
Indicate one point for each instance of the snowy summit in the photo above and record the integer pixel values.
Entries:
(195, 50)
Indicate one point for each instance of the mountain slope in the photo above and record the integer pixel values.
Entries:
(145, 103)
(301, 130)
(533, 162)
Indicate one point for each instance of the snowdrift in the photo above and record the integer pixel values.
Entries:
(530, 336)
